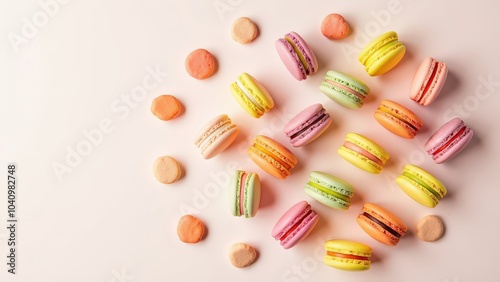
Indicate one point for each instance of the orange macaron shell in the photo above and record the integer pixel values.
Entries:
(272, 157)
(398, 119)
(375, 230)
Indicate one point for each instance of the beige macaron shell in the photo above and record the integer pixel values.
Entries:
(242, 255)
(167, 170)
(244, 30)
(430, 228)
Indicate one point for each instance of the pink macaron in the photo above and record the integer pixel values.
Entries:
(307, 125)
(428, 81)
(298, 58)
(295, 224)
(449, 140)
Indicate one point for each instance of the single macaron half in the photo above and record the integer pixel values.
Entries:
(295, 224)
(398, 119)
(347, 255)
(381, 224)
(382, 54)
(329, 190)
(307, 125)
(252, 96)
(428, 81)
(449, 140)
(363, 153)
(244, 194)
(344, 89)
(297, 56)
(216, 136)
(272, 157)
(421, 186)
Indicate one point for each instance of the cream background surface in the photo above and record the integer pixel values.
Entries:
(97, 65)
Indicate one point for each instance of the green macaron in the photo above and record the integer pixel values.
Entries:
(329, 190)
(244, 194)
(344, 89)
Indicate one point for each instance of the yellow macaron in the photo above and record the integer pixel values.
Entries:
(252, 96)
(421, 186)
(382, 54)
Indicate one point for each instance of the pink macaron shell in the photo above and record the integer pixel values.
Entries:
(289, 217)
(455, 147)
(302, 118)
(290, 59)
(443, 134)
(302, 231)
(313, 132)
(419, 78)
(307, 52)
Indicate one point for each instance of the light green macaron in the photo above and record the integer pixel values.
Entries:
(344, 89)
(421, 186)
(329, 190)
(244, 194)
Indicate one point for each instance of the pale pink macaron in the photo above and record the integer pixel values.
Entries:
(307, 125)
(295, 224)
(428, 81)
(449, 140)
(216, 136)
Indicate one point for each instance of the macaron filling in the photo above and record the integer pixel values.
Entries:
(336, 84)
(242, 195)
(429, 79)
(345, 256)
(309, 124)
(383, 225)
(359, 150)
(216, 133)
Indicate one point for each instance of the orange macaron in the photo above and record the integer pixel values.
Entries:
(398, 119)
(381, 224)
(272, 156)
(200, 64)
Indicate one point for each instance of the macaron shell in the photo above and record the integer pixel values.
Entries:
(307, 52)
(417, 192)
(302, 117)
(313, 133)
(260, 93)
(376, 44)
(427, 178)
(386, 216)
(369, 145)
(290, 59)
(387, 60)
(442, 134)
(398, 119)
(234, 188)
(288, 217)
(454, 148)
(376, 231)
(342, 96)
(326, 199)
(244, 101)
(252, 195)
(221, 142)
(267, 163)
(302, 231)
(359, 160)
(344, 99)
(348, 248)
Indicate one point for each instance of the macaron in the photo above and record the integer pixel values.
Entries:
(398, 119)
(421, 186)
(244, 30)
(190, 229)
(381, 224)
(166, 107)
(242, 255)
(244, 194)
(449, 140)
(363, 153)
(430, 228)
(252, 96)
(344, 89)
(272, 156)
(167, 170)
(200, 64)
(382, 54)
(295, 224)
(329, 190)
(216, 136)
(428, 81)
(297, 56)
(347, 255)
(307, 125)
(334, 26)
